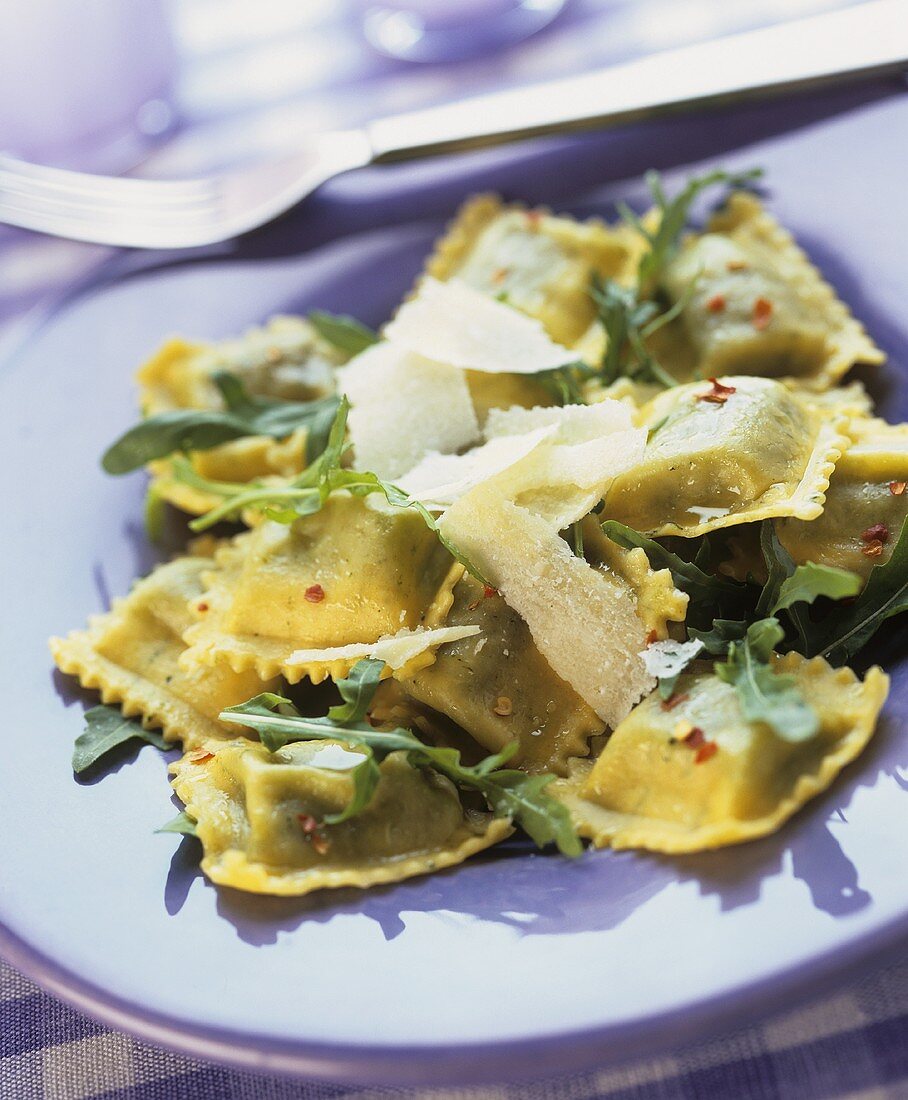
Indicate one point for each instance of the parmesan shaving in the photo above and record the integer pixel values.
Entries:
(583, 622)
(439, 479)
(452, 323)
(394, 649)
(562, 483)
(573, 423)
(668, 658)
(705, 514)
(329, 757)
(402, 407)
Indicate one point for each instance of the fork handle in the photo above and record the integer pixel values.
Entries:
(870, 39)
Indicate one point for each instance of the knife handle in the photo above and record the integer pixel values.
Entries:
(866, 40)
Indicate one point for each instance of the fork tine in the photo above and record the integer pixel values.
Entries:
(111, 211)
(132, 194)
(115, 224)
(20, 173)
(85, 213)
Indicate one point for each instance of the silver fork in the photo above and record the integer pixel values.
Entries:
(870, 39)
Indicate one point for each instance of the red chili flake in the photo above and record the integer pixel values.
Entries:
(674, 700)
(719, 394)
(651, 636)
(199, 756)
(761, 314)
(318, 840)
(879, 532)
(488, 592)
(897, 488)
(873, 549)
(705, 751)
(201, 607)
(534, 217)
(696, 738)
(716, 304)
(315, 593)
(736, 265)
(320, 843)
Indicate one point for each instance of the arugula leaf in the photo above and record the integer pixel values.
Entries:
(357, 690)
(810, 581)
(628, 322)
(565, 384)
(182, 823)
(779, 566)
(721, 634)
(510, 793)
(764, 694)
(848, 629)
(155, 514)
(343, 332)
(307, 493)
(182, 430)
(673, 215)
(105, 729)
(792, 588)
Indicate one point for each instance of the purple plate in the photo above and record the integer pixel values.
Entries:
(516, 964)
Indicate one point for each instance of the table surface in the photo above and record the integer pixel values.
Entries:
(255, 89)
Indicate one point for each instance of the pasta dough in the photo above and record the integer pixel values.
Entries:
(758, 451)
(279, 588)
(758, 306)
(131, 655)
(866, 492)
(499, 688)
(255, 812)
(284, 360)
(651, 789)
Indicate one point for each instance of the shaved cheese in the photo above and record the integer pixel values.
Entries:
(574, 423)
(705, 514)
(562, 483)
(439, 480)
(394, 649)
(584, 622)
(668, 658)
(452, 323)
(403, 407)
(330, 757)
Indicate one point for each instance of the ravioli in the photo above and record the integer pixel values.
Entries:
(284, 360)
(866, 503)
(256, 814)
(131, 655)
(651, 789)
(538, 263)
(753, 450)
(490, 615)
(756, 305)
(499, 688)
(280, 588)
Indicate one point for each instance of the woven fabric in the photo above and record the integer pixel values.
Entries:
(854, 1044)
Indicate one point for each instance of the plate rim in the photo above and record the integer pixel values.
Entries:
(505, 1061)
(572, 1051)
